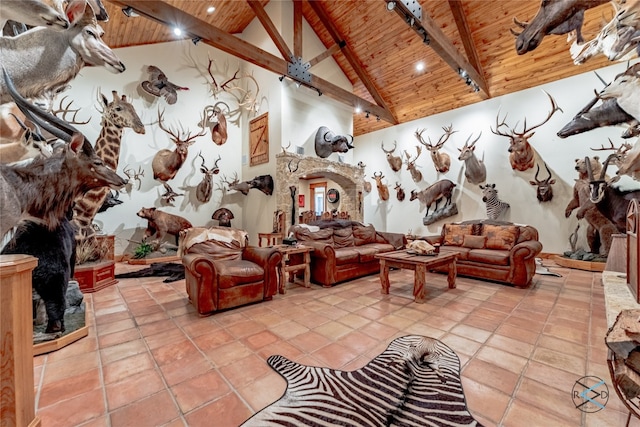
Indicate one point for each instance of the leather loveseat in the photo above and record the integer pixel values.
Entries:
(343, 249)
(492, 250)
(222, 271)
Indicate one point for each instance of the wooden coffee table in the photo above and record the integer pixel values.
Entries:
(418, 263)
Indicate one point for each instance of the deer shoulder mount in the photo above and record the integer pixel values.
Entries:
(204, 189)
(441, 161)
(495, 207)
(383, 190)
(544, 191)
(475, 169)
(166, 163)
(553, 17)
(327, 142)
(399, 192)
(521, 153)
(416, 175)
(214, 119)
(395, 162)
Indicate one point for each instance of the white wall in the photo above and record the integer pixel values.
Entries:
(571, 94)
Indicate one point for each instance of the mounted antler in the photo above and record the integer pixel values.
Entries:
(286, 149)
(416, 175)
(521, 154)
(394, 161)
(134, 176)
(297, 165)
(166, 163)
(441, 161)
(64, 110)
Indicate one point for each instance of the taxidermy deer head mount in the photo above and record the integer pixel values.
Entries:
(383, 190)
(215, 120)
(441, 161)
(394, 161)
(416, 175)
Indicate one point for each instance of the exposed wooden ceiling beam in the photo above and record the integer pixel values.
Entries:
(465, 33)
(324, 55)
(350, 56)
(297, 28)
(169, 15)
(271, 29)
(439, 42)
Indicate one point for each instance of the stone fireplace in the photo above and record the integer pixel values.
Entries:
(349, 177)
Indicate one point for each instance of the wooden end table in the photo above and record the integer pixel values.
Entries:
(418, 263)
(287, 268)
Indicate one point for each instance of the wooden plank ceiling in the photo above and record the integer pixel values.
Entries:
(381, 51)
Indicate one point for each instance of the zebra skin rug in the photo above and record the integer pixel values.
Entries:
(414, 382)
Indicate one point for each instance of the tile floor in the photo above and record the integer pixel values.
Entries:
(150, 360)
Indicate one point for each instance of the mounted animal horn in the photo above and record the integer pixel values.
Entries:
(327, 142)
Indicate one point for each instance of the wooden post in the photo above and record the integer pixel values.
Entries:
(16, 325)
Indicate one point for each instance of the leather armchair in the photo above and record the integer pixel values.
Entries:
(223, 272)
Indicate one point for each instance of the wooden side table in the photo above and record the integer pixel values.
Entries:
(286, 266)
(272, 238)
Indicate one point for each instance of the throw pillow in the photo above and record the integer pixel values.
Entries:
(500, 236)
(324, 235)
(343, 237)
(453, 234)
(364, 234)
(474, 242)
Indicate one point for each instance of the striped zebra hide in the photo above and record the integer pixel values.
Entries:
(414, 382)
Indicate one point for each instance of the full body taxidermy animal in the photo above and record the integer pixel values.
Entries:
(41, 58)
(55, 250)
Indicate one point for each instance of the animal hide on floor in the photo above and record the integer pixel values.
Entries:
(541, 269)
(174, 272)
(414, 382)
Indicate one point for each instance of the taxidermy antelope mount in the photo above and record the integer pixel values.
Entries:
(544, 191)
(441, 161)
(625, 88)
(159, 85)
(416, 175)
(48, 186)
(166, 163)
(399, 192)
(553, 17)
(626, 158)
(394, 161)
(521, 154)
(215, 120)
(36, 13)
(475, 170)
(41, 58)
(203, 190)
(437, 191)
(383, 190)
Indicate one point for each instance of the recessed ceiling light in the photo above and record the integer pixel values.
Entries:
(211, 9)
(177, 31)
(420, 66)
(358, 110)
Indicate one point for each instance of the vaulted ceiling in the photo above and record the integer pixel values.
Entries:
(377, 50)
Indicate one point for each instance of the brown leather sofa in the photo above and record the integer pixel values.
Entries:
(492, 250)
(222, 271)
(343, 249)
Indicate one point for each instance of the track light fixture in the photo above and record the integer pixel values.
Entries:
(391, 5)
(377, 118)
(129, 12)
(196, 39)
(301, 83)
(367, 115)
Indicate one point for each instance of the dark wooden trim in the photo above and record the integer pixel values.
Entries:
(271, 29)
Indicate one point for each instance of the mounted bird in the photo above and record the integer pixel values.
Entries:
(159, 85)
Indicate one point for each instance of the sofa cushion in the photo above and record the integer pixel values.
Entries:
(500, 236)
(324, 235)
(489, 256)
(343, 237)
(240, 272)
(474, 242)
(364, 234)
(453, 234)
(347, 256)
(463, 253)
(368, 252)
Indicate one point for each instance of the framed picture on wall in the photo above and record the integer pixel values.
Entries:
(259, 140)
(301, 200)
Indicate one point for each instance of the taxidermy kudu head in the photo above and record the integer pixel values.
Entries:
(553, 17)
(544, 191)
(416, 175)
(203, 190)
(521, 154)
(166, 163)
(441, 161)
(48, 186)
(475, 170)
(36, 13)
(626, 158)
(326, 143)
(394, 161)
(383, 190)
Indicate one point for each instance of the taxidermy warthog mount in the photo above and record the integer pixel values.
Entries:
(166, 163)
(203, 190)
(327, 142)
